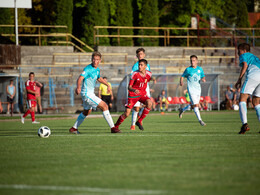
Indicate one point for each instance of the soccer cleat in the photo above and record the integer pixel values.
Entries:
(22, 119)
(74, 131)
(244, 129)
(35, 122)
(202, 123)
(180, 112)
(132, 127)
(139, 125)
(115, 130)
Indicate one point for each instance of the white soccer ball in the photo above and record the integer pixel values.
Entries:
(235, 107)
(44, 132)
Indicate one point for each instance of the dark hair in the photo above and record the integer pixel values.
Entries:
(144, 61)
(244, 46)
(193, 56)
(96, 53)
(140, 49)
(31, 73)
(104, 77)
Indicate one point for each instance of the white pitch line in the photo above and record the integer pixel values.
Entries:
(82, 189)
(140, 135)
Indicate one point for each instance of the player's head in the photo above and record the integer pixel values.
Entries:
(142, 65)
(243, 48)
(163, 92)
(11, 81)
(96, 58)
(105, 78)
(194, 60)
(31, 75)
(140, 53)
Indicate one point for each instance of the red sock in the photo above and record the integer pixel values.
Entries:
(33, 116)
(145, 112)
(27, 112)
(119, 121)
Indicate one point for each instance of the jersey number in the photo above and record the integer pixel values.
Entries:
(141, 85)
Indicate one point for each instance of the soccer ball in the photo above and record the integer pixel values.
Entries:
(44, 132)
(235, 107)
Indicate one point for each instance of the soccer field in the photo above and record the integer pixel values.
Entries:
(171, 156)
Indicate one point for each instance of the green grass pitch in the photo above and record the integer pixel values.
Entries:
(171, 156)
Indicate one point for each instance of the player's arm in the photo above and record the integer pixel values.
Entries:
(130, 88)
(7, 91)
(203, 79)
(99, 91)
(14, 92)
(38, 84)
(78, 89)
(242, 73)
(181, 81)
(101, 80)
(112, 95)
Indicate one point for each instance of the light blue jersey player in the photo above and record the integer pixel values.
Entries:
(89, 76)
(194, 75)
(251, 68)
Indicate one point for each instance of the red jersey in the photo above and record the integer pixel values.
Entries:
(30, 85)
(139, 82)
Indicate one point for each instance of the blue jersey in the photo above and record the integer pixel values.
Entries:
(253, 63)
(193, 76)
(90, 75)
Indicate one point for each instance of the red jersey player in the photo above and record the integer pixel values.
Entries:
(31, 99)
(137, 92)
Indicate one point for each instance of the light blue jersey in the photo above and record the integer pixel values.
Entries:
(90, 75)
(193, 76)
(253, 63)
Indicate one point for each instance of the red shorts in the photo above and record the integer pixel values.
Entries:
(32, 103)
(132, 100)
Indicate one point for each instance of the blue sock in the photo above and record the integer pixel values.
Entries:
(79, 120)
(243, 112)
(186, 108)
(257, 109)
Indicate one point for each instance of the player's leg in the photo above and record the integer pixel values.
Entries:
(256, 101)
(148, 105)
(182, 110)
(33, 108)
(122, 117)
(80, 120)
(135, 114)
(195, 101)
(8, 105)
(12, 108)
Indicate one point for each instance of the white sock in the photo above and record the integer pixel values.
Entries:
(197, 112)
(243, 112)
(134, 117)
(141, 111)
(107, 116)
(186, 108)
(79, 120)
(257, 109)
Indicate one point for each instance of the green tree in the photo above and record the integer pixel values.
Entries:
(149, 18)
(89, 14)
(124, 17)
(6, 18)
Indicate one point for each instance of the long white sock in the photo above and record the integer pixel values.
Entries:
(79, 120)
(134, 117)
(243, 112)
(197, 112)
(107, 116)
(186, 108)
(257, 109)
